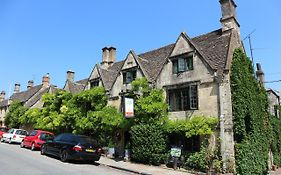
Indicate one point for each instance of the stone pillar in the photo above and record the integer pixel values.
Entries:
(226, 126)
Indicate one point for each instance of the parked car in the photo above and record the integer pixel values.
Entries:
(36, 139)
(68, 146)
(14, 136)
(3, 130)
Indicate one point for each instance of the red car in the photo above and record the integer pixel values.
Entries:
(35, 139)
(2, 131)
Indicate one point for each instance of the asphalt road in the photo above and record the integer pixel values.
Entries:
(20, 161)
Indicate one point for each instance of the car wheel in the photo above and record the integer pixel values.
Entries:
(64, 156)
(22, 145)
(32, 147)
(10, 140)
(43, 150)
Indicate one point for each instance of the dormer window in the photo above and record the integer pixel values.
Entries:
(129, 76)
(94, 83)
(182, 64)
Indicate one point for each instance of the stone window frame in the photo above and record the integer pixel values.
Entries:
(186, 95)
(182, 63)
(133, 72)
(94, 83)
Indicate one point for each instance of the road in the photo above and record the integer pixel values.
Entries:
(20, 161)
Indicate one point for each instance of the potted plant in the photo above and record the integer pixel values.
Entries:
(111, 149)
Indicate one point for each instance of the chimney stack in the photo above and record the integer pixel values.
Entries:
(70, 75)
(108, 56)
(229, 18)
(2, 96)
(260, 74)
(46, 80)
(17, 88)
(30, 84)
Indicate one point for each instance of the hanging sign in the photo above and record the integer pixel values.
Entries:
(129, 107)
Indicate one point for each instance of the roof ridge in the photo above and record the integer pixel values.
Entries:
(156, 49)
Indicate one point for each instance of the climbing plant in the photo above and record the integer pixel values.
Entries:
(252, 129)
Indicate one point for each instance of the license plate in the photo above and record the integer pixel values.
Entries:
(90, 150)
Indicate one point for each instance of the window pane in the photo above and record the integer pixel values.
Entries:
(185, 98)
(175, 67)
(181, 65)
(193, 97)
(189, 63)
(129, 77)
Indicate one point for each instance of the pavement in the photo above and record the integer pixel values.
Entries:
(140, 168)
(276, 172)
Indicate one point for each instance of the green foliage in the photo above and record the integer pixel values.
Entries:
(196, 126)
(16, 110)
(198, 160)
(148, 143)
(252, 130)
(140, 84)
(30, 116)
(151, 108)
(54, 116)
(276, 141)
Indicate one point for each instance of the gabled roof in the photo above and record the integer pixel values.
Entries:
(109, 76)
(4, 103)
(215, 46)
(78, 86)
(25, 95)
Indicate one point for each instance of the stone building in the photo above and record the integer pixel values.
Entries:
(30, 98)
(72, 86)
(194, 73)
(273, 102)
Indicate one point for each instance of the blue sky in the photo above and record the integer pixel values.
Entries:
(39, 37)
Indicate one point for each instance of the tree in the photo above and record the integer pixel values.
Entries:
(16, 110)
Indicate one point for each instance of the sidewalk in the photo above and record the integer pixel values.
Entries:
(139, 168)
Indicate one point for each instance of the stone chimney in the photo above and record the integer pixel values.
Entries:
(30, 84)
(260, 74)
(46, 80)
(17, 88)
(108, 56)
(229, 19)
(2, 96)
(70, 75)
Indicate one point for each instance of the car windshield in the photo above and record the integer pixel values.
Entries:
(21, 132)
(46, 136)
(11, 131)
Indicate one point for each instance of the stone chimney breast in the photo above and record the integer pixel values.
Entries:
(17, 88)
(30, 84)
(108, 56)
(46, 80)
(229, 18)
(260, 74)
(2, 96)
(70, 75)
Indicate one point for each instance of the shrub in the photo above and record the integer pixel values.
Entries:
(198, 160)
(148, 144)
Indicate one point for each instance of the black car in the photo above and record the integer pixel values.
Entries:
(68, 146)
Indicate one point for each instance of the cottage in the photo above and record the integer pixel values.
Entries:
(194, 72)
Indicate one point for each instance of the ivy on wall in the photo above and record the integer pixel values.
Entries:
(252, 129)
